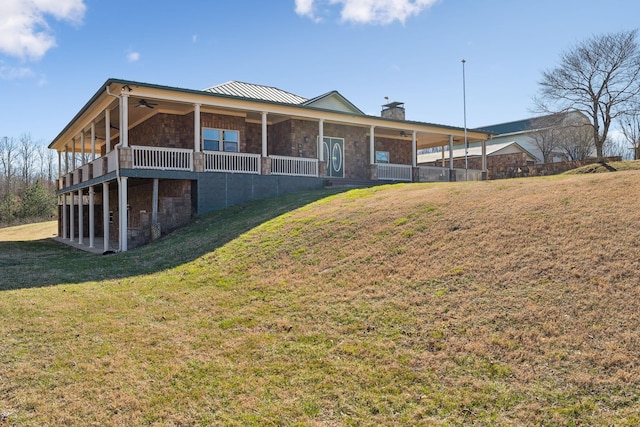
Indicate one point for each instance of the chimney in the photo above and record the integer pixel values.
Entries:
(393, 110)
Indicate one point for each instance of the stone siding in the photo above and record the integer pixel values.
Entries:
(164, 130)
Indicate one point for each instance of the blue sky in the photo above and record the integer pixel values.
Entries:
(54, 55)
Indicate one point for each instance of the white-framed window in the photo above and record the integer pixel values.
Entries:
(382, 157)
(220, 140)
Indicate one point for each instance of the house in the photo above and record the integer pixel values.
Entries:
(504, 160)
(140, 159)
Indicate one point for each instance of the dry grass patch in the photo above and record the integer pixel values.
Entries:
(490, 303)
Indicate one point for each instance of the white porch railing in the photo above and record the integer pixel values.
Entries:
(98, 167)
(219, 161)
(387, 171)
(433, 173)
(177, 159)
(293, 166)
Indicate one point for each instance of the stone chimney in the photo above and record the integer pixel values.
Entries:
(393, 110)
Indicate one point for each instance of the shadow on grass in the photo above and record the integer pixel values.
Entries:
(40, 263)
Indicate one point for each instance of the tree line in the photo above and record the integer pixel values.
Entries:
(28, 174)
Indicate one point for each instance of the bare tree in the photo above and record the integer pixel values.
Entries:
(615, 148)
(599, 77)
(576, 140)
(631, 131)
(27, 155)
(547, 134)
(8, 151)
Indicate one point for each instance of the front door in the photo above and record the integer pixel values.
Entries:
(334, 156)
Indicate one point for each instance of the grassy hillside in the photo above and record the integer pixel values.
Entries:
(496, 303)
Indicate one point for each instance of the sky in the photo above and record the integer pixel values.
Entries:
(55, 54)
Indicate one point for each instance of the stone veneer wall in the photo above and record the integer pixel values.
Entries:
(174, 208)
(253, 137)
(164, 130)
(399, 150)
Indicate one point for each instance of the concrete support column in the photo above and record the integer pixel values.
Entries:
(372, 145)
(123, 213)
(264, 134)
(484, 156)
(72, 217)
(65, 220)
(105, 216)
(80, 218)
(451, 152)
(196, 128)
(107, 129)
(92, 225)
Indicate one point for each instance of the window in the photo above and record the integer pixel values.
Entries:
(220, 140)
(382, 157)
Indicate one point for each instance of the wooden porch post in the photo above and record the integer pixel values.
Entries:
(196, 128)
(372, 146)
(105, 215)
(82, 156)
(66, 159)
(122, 214)
(414, 150)
(124, 119)
(484, 156)
(71, 217)
(64, 216)
(107, 129)
(321, 140)
(92, 226)
(93, 141)
(264, 134)
(73, 153)
(80, 218)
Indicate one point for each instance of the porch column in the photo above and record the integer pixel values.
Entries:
(71, 217)
(92, 226)
(65, 227)
(93, 141)
(124, 119)
(107, 129)
(66, 159)
(321, 140)
(80, 218)
(82, 153)
(414, 150)
(450, 152)
(59, 165)
(372, 146)
(122, 213)
(484, 156)
(155, 227)
(264, 134)
(73, 154)
(196, 128)
(105, 216)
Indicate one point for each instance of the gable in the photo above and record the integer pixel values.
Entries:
(335, 102)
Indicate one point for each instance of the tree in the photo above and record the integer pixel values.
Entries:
(38, 202)
(631, 131)
(27, 153)
(599, 77)
(7, 159)
(576, 140)
(547, 134)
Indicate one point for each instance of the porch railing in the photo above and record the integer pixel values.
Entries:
(294, 166)
(387, 171)
(433, 173)
(177, 159)
(219, 161)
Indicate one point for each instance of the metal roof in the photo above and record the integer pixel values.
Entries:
(492, 149)
(254, 91)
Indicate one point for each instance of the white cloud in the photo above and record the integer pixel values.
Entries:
(24, 31)
(194, 38)
(367, 11)
(11, 73)
(133, 56)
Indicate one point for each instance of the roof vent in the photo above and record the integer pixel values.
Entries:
(393, 110)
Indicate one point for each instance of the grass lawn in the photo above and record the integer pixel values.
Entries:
(511, 302)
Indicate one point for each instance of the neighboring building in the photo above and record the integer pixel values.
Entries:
(525, 132)
(140, 159)
(504, 160)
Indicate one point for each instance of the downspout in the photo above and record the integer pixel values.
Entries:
(116, 148)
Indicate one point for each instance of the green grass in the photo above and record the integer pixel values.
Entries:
(445, 304)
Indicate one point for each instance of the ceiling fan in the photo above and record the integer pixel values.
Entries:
(145, 104)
